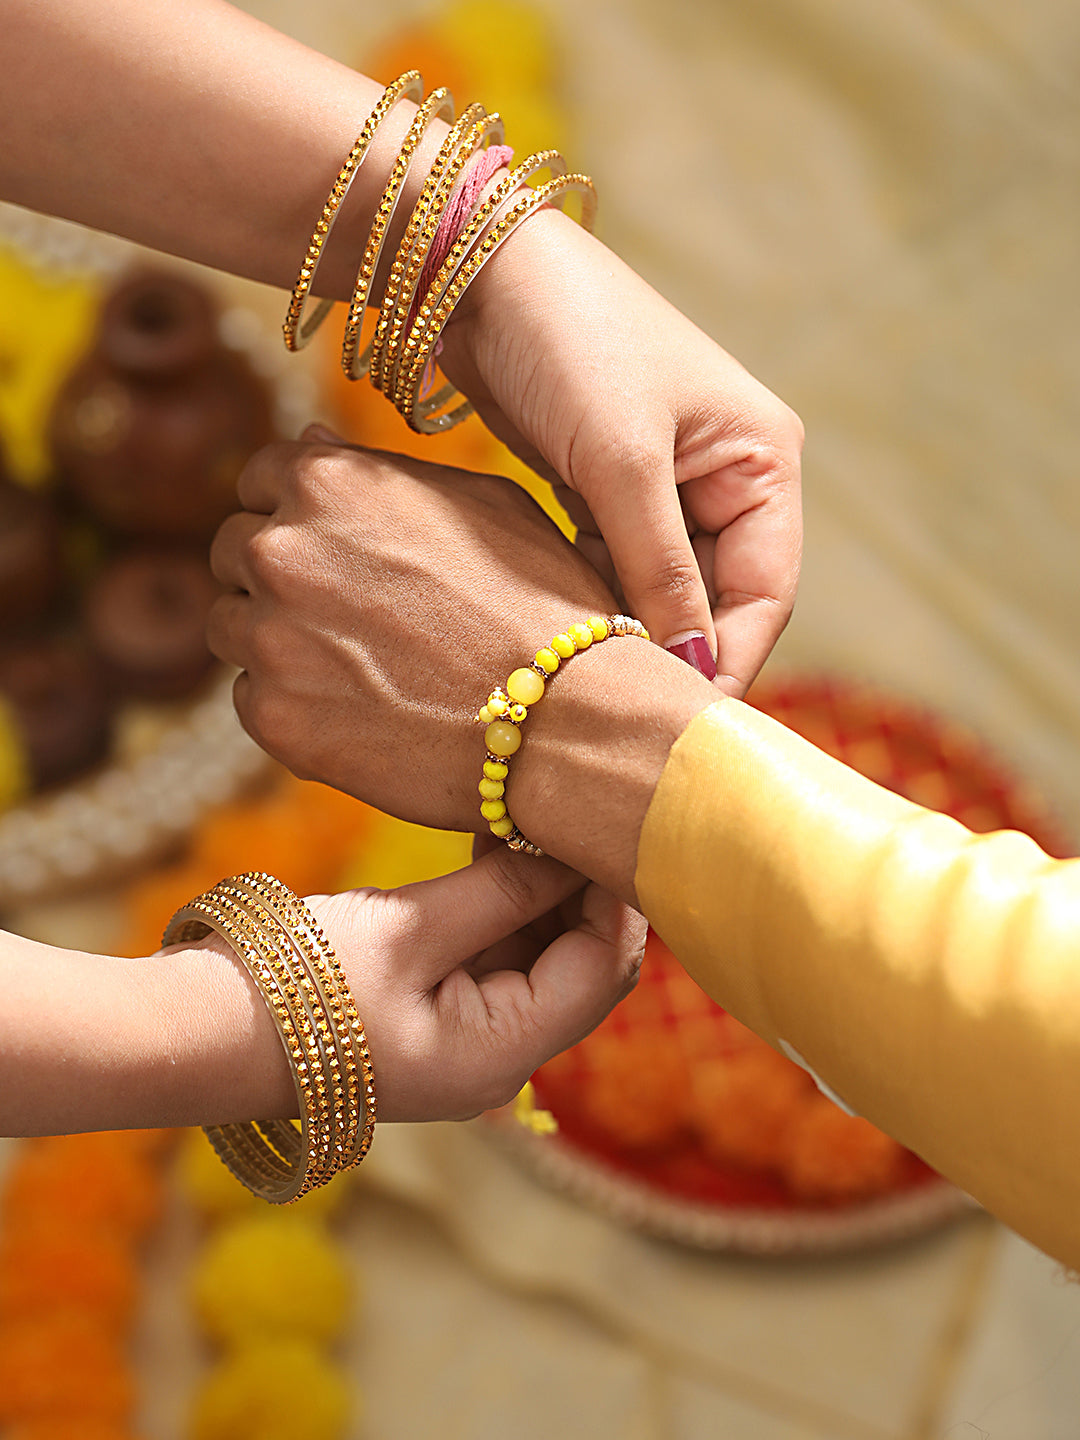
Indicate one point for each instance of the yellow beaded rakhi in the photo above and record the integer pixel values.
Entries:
(506, 710)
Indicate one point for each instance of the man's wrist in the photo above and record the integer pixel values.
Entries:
(593, 751)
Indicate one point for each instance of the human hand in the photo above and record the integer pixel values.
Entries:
(680, 470)
(468, 983)
(376, 601)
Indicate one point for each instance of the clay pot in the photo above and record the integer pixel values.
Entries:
(152, 428)
(31, 566)
(144, 616)
(59, 699)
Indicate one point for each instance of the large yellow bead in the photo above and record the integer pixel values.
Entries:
(598, 626)
(581, 635)
(525, 686)
(502, 738)
(563, 645)
(547, 660)
(491, 789)
(493, 809)
(502, 827)
(496, 770)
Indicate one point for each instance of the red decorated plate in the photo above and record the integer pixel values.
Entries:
(676, 1119)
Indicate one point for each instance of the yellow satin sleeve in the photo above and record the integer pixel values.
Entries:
(929, 975)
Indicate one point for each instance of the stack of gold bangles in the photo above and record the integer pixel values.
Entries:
(411, 319)
(278, 939)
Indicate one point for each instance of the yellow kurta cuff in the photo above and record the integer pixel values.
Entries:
(929, 975)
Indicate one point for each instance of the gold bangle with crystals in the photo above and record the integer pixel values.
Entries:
(488, 130)
(487, 216)
(297, 332)
(417, 411)
(505, 711)
(438, 105)
(472, 132)
(278, 940)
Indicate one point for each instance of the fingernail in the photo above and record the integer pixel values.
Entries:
(692, 647)
(323, 433)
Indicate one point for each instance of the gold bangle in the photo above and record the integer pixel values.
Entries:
(438, 105)
(489, 213)
(417, 412)
(268, 1157)
(354, 1056)
(296, 332)
(505, 711)
(280, 943)
(488, 130)
(431, 193)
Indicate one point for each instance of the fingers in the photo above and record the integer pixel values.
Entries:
(574, 984)
(654, 559)
(456, 916)
(755, 573)
(230, 549)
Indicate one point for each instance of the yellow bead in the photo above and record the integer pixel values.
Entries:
(598, 626)
(493, 809)
(496, 705)
(502, 738)
(496, 770)
(525, 686)
(581, 635)
(485, 716)
(502, 827)
(518, 713)
(491, 789)
(547, 660)
(564, 646)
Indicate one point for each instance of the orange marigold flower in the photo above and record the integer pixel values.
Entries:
(66, 1365)
(97, 1182)
(636, 1093)
(743, 1104)
(830, 1155)
(46, 1427)
(51, 1266)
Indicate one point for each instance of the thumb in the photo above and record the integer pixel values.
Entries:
(657, 567)
(454, 917)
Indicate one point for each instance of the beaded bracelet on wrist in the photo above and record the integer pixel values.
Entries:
(505, 711)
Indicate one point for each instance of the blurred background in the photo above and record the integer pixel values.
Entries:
(875, 208)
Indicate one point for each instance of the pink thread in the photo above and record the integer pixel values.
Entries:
(459, 210)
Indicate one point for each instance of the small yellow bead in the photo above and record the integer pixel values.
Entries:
(502, 827)
(496, 706)
(485, 716)
(491, 789)
(598, 626)
(581, 635)
(525, 686)
(493, 809)
(496, 770)
(564, 646)
(518, 713)
(502, 738)
(645, 634)
(547, 660)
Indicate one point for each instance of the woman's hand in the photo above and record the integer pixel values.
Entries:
(468, 983)
(668, 455)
